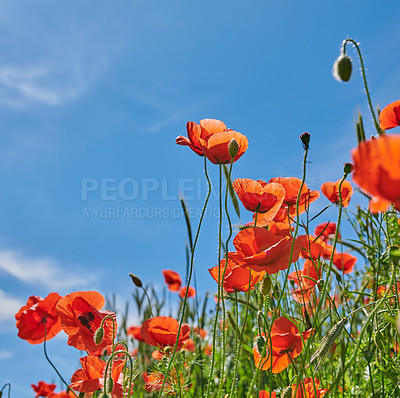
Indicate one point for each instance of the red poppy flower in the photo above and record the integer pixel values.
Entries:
(344, 262)
(286, 346)
(266, 394)
(80, 318)
(172, 279)
(326, 231)
(260, 196)
(292, 187)
(162, 331)
(279, 228)
(236, 277)
(134, 331)
(38, 317)
(90, 377)
(191, 292)
(306, 389)
(377, 168)
(43, 389)
(378, 205)
(154, 381)
(194, 133)
(157, 355)
(261, 250)
(331, 191)
(311, 247)
(200, 332)
(306, 280)
(390, 116)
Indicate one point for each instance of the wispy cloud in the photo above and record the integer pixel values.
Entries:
(43, 271)
(9, 306)
(6, 355)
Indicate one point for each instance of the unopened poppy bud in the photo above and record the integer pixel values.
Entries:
(260, 342)
(98, 336)
(287, 392)
(266, 285)
(305, 139)
(110, 385)
(136, 280)
(342, 68)
(348, 168)
(233, 148)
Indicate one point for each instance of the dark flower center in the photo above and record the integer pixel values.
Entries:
(86, 318)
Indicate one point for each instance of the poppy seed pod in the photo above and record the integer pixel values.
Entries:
(342, 68)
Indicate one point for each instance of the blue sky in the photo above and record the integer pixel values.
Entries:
(92, 96)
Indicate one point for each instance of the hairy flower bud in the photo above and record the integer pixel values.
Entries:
(260, 342)
(98, 336)
(136, 280)
(342, 68)
(348, 168)
(233, 148)
(287, 392)
(305, 139)
(266, 285)
(110, 385)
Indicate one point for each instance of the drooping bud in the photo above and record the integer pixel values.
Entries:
(305, 139)
(287, 392)
(98, 336)
(110, 384)
(233, 148)
(136, 280)
(348, 168)
(260, 342)
(342, 68)
(266, 285)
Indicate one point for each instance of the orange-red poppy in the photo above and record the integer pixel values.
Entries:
(279, 228)
(326, 231)
(331, 191)
(200, 332)
(292, 188)
(344, 262)
(377, 168)
(286, 346)
(261, 250)
(311, 247)
(378, 205)
(211, 138)
(236, 277)
(80, 318)
(162, 331)
(157, 355)
(306, 389)
(134, 331)
(306, 280)
(172, 279)
(154, 381)
(266, 394)
(192, 140)
(43, 389)
(37, 318)
(390, 116)
(191, 291)
(260, 196)
(90, 377)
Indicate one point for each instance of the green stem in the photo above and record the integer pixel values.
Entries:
(378, 129)
(190, 275)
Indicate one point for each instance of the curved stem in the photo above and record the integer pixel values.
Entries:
(378, 129)
(126, 353)
(190, 275)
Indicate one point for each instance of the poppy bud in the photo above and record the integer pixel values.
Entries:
(305, 139)
(287, 392)
(136, 280)
(348, 168)
(342, 68)
(398, 322)
(98, 336)
(110, 385)
(260, 342)
(266, 285)
(233, 148)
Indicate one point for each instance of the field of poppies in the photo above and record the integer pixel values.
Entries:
(299, 310)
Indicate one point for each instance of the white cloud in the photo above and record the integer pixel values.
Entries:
(44, 271)
(6, 355)
(9, 306)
